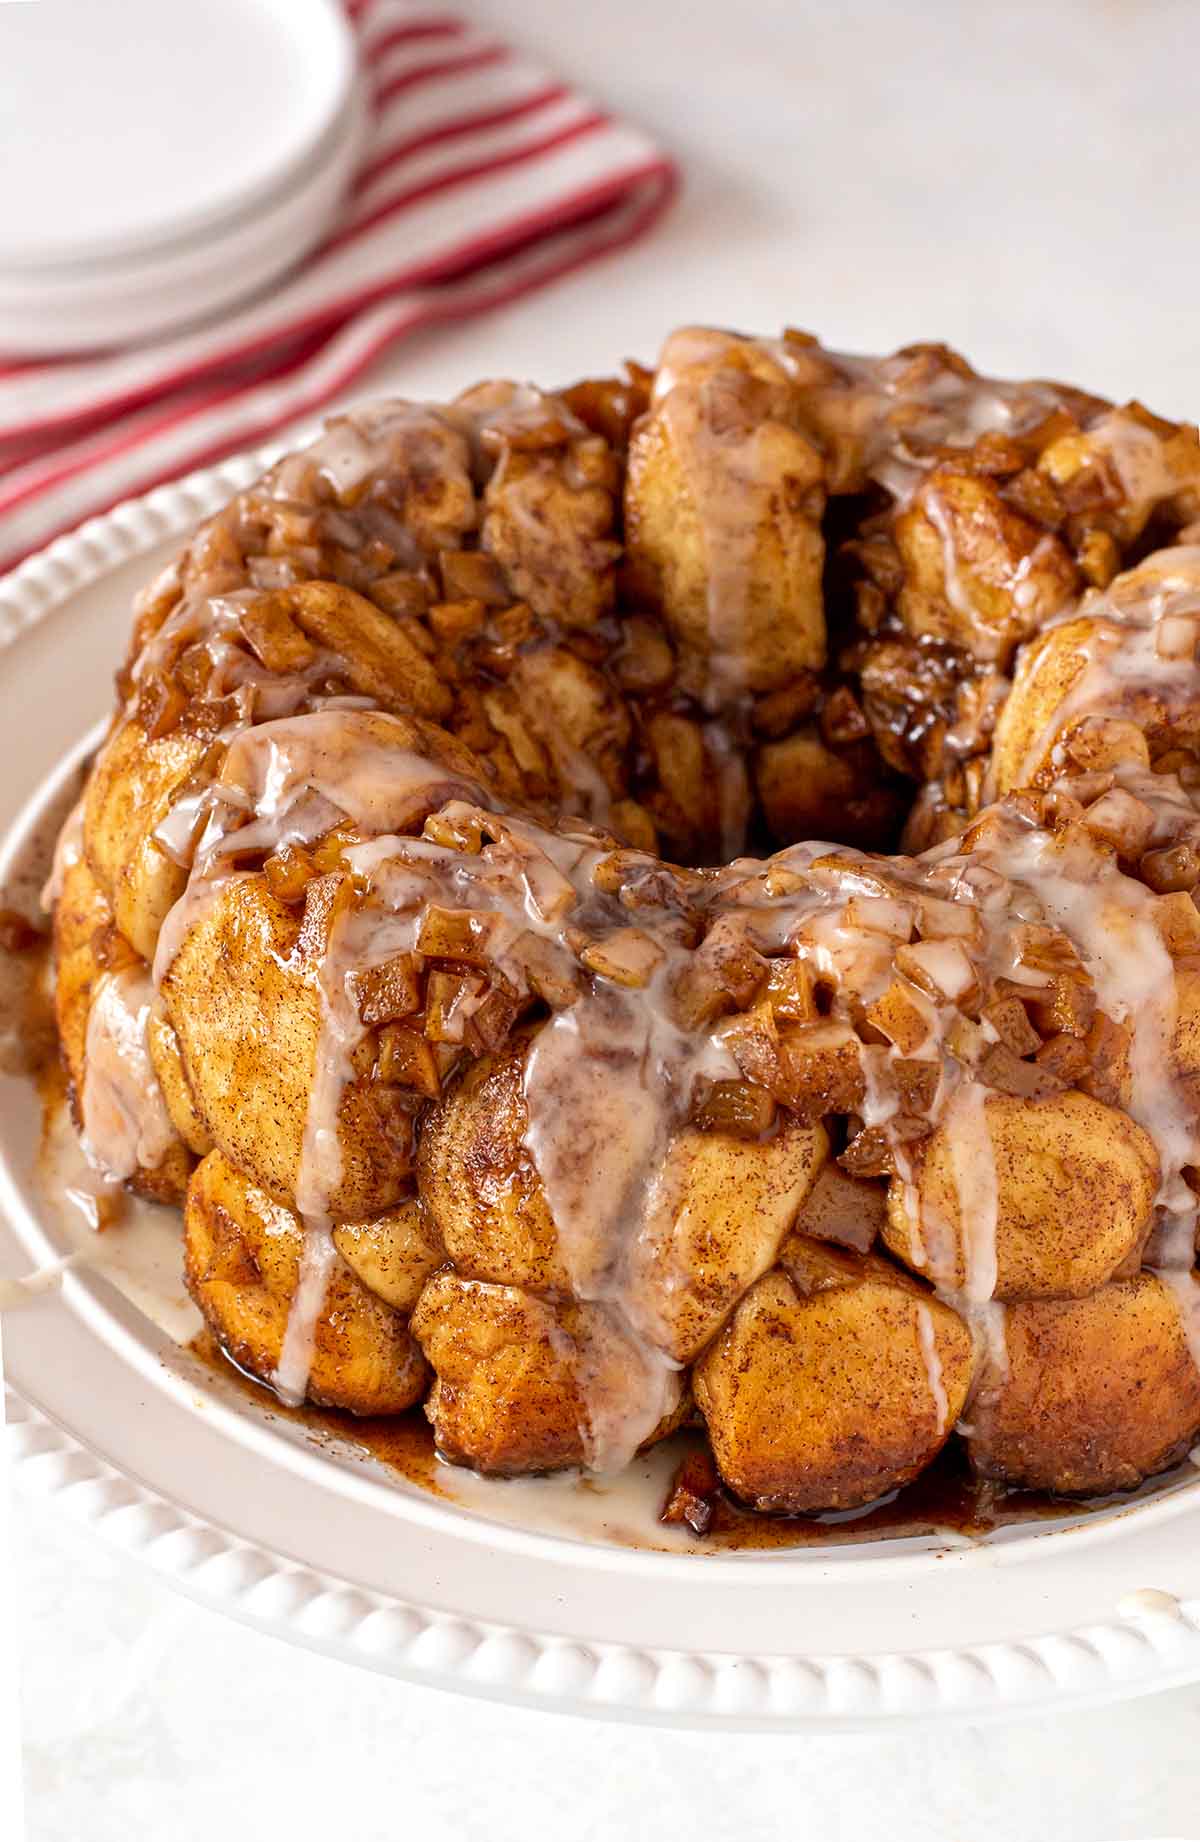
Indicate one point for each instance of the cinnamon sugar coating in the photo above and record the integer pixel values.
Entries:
(449, 926)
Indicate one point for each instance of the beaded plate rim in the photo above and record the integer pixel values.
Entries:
(975, 1682)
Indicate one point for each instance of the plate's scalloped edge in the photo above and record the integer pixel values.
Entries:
(274, 1593)
(49, 577)
(271, 1592)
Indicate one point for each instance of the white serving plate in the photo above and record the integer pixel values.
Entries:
(164, 288)
(520, 1591)
(225, 168)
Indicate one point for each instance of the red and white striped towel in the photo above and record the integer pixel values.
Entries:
(482, 179)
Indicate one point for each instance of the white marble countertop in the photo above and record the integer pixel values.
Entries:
(1018, 181)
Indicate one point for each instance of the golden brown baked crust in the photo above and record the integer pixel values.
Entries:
(417, 892)
(242, 1266)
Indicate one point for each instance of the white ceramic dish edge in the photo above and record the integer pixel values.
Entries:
(1133, 1651)
(318, 27)
(185, 284)
(1082, 1668)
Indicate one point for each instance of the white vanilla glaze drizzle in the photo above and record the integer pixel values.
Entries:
(1119, 939)
(608, 1079)
(290, 781)
(952, 582)
(611, 1075)
(867, 408)
(622, 1073)
(734, 798)
(319, 1171)
(318, 1257)
(974, 1168)
(1134, 976)
(871, 420)
(31, 1286)
(882, 420)
(927, 1333)
(732, 482)
(285, 780)
(125, 1120)
(1122, 657)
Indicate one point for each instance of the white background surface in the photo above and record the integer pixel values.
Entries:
(1021, 181)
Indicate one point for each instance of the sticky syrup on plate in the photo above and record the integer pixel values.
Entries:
(403, 1442)
(946, 1499)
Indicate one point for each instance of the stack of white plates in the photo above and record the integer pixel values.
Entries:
(162, 159)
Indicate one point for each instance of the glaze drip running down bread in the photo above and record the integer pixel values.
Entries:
(443, 925)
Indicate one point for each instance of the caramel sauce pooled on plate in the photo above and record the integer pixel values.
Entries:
(947, 1499)
(403, 1442)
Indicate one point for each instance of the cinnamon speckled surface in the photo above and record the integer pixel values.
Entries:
(1018, 180)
